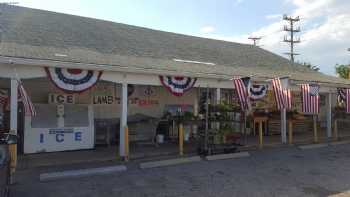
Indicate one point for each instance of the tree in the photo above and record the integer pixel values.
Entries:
(310, 66)
(342, 70)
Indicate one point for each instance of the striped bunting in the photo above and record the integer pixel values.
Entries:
(177, 85)
(257, 91)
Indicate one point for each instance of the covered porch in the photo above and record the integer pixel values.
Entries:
(117, 136)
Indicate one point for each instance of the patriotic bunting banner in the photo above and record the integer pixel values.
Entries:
(73, 80)
(257, 92)
(177, 85)
(242, 85)
(311, 98)
(283, 94)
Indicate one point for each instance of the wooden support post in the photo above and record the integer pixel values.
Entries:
(315, 129)
(335, 130)
(123, 120)
(181, 140)
(290, 132)
(254, 128)
(260, 134)
(13, 122)
(283, 126)
(126, 133)
(329, 115)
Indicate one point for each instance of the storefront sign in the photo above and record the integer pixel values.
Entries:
(59, 139)
(61, 99)
(109, 100)
(102, 99)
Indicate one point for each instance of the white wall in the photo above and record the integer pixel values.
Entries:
(39, 89)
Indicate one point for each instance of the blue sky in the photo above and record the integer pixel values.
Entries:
(325, 23)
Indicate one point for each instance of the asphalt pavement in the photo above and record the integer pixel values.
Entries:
(286, 171)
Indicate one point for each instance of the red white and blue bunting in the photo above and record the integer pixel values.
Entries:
(257, 92)
(177, 85)
(73, 80)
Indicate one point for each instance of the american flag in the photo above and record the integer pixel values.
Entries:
(288, 94)
(3, 97)
(344, 97)
(347, 100)
(283, 95)
(311, 98)
(27, 103)
(341, 94)
(242, 86)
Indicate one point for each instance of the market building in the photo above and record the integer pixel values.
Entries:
(92, 81)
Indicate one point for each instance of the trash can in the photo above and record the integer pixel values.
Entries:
(4, 168)
(12, 147)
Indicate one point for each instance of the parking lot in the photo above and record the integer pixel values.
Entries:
(286, 171)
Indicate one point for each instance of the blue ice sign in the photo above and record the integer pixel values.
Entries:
(59, 137)
(61, 134)
(77, 136)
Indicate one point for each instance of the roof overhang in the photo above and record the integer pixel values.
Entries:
(7, 60)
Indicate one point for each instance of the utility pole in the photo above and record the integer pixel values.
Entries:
(255, 40)
(292, 30)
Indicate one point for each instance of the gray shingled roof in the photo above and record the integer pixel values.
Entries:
(38, 34)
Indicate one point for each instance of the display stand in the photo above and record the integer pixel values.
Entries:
(222, 136)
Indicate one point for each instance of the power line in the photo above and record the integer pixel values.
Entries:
(291, 39)
(255, 40)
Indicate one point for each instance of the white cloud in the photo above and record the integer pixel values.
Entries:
(207, 29)
(273, 16)
(325, 33)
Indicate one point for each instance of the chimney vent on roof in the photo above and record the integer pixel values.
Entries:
(193, 62)
(60, 55)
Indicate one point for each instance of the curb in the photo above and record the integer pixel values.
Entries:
(227, 156)
(169, 162)
(80, 173)
(339, 143)
(312, 146)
